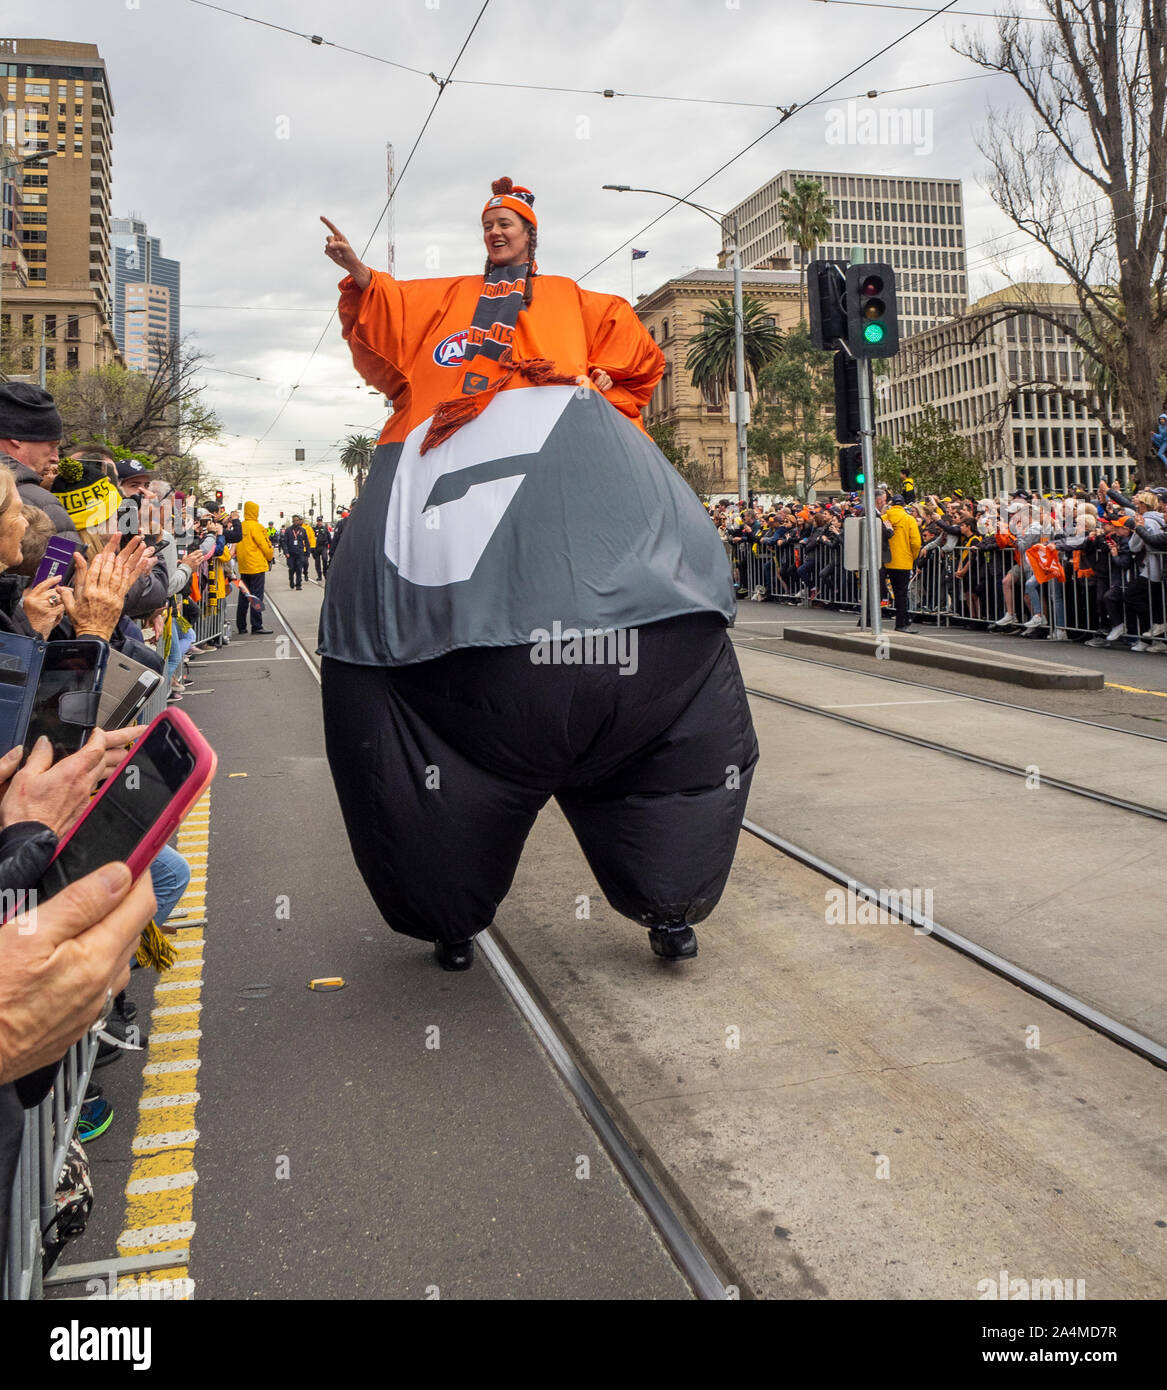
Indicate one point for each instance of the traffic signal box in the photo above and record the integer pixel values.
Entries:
(846, 399)
(873, 328)
(851, 477)
(828, 316)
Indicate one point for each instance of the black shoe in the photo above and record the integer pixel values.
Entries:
(262, 632)
(106, 1053)
(454, 955)
(241, 631)
(123, 1009)
(673, 943)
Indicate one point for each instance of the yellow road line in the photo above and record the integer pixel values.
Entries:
(159, 1212)
(1136, 690)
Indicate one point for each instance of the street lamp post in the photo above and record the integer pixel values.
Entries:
(739, 343)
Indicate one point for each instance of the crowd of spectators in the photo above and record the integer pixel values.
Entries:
(139, 572)
(1084, 566)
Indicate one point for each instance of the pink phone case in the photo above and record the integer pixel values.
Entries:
(164, 827)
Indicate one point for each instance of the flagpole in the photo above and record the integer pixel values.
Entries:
(632, 277)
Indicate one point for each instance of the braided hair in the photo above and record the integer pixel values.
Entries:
(506, 185)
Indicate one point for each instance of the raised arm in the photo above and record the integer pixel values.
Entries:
(337, 249)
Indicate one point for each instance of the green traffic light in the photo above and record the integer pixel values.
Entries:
(860, 478)
(873, 332)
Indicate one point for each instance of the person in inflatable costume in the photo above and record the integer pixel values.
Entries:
(529, 602)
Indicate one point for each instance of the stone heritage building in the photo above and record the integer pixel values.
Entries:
(673, 313)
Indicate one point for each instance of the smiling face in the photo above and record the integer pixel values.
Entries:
(505, 235)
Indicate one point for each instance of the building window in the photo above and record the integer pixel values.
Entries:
(73, 328)
(72, 358)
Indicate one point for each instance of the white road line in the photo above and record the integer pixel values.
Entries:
(178, 984)
(156, 1235)
(173, 1010)
(161, 1102)
(166, 1139)
(186, 1035)
(168, 1068)
(169, 1182)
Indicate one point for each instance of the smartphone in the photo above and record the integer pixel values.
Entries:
(140, 806)
(127, 521)
(58, 559)
(21, 659)
(67, 695)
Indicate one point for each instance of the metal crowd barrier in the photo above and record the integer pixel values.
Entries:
(33, 1238)
(795, 573)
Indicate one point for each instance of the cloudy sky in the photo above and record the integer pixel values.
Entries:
(231, 137)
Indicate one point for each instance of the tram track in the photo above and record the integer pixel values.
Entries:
(1034, 984)
(707, 1284)
(946, 690)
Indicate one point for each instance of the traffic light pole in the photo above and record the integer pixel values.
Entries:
(873, 529)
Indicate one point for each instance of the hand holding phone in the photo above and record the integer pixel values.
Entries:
(43, 605)
(56, 978)
(141, 804)
(54, 794)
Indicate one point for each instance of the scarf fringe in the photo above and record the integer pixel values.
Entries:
(154, 950)
(450, 416)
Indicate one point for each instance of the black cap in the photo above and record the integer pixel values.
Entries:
(131, 468)
(27, 413)
(898, 500)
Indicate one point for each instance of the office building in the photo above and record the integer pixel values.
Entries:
(915, 225)
(58, 101)
(1012, 389)
(144, 279)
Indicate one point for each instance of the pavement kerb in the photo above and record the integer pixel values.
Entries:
(950, 656)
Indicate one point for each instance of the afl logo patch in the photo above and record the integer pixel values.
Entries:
(450, 351)
(494, 203)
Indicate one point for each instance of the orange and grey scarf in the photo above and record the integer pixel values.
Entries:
(488, 358)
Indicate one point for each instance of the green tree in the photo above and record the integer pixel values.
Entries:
(938, 459)
(160, 414)
(793, 425)
(355, 456)
(806, 219)
(712, 351)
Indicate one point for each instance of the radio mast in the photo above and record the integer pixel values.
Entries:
(390, 221)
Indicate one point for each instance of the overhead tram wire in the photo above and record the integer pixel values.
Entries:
(312, 38)
(606, 92)
(786, 115)
(392, 192)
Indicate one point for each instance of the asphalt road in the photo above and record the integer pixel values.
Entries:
(404, 1137)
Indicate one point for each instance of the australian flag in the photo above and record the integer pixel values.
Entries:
(638, 255)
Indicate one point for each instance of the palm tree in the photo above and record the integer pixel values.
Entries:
(356, 455)
(806, 220)
(711, 354)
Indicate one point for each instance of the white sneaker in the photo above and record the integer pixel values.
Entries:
(1116, 632)
(1061, 635)
(1159, 648)
(1002, 623)
(759, 594)
(1139, 647)
(1159, 630)
(1038, 620)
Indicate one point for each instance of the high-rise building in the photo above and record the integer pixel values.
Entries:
(915, 225)
(1015, 386)
(58, 101)
(139, 263)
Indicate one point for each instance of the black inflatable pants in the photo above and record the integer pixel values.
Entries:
(442, 766)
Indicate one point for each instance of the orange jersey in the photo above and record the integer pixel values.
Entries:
(407, 339)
